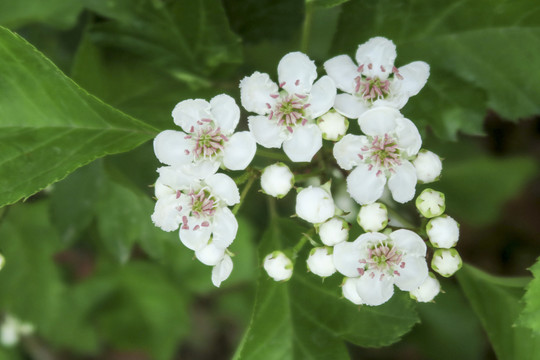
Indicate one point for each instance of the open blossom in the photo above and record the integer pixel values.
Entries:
(375, 81)
(380, 156)
(374, 262)
(286, 112)
(208, 139)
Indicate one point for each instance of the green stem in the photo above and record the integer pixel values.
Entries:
(244, 193)
(271, 155)
(306, 30)
(394, 214)
(272, 209)
(300, 244)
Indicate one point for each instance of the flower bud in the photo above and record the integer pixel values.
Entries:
(321, 262)
(222, 270)
(427, 290)
(373, 217)
(333, 125)
(430, 203)
(446, 262)
(428, 166)
(314, 204)
(12, 329)
(443, 232)
(349, 291)
(2, 261)
(277, 180)
(278, 266)
(334, 231)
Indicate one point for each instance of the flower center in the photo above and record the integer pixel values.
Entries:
(384, 258)
(209, 141)
(382, 154)
(289, 110)
(372, 87)
(202, 203)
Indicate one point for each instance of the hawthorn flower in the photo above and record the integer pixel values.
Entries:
(427, 291)
(321, 262)
(348, 288)
(428, 166)
(315, 204)
(377, 261)
(334, 231)
(286, 112)
(380, 156)
(443, 232)
(278, 266)
(333, 125)
(277, 180)
(431, 203)
(208, 139)
(446, 261)
(375, 81)
(373, 217)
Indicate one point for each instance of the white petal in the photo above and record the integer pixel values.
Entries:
(224, 228)
(347, 149)
(255, 91)
(415, 76)
(402, 183)
(224, 188)
(409, 242)
(304, 143)
(379, 121)
(323, 95)
(210, 255)
(172, 148)
(202, 169)
(349, 291)
(266, 132)
(413, 274)
(334, 231)
(315, 205)
(364, 185)
(428, 166)
(408, 137)
(347, 257)
(175, 178)
(320, 262)
(278, 266)
(373, 290)
(165, 215)
(226, 113)
(343, 71)
(194, 236)
(188, 112)
(277, 180)
(239, 151)
(298, 72)
(443, 232)
(222, 270)
(377, 51)
(349, 106)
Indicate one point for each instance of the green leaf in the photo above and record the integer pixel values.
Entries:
(530, 316)
(49, 125)
(306, 318)
(496, 302)
(326, 3)
(59, 13)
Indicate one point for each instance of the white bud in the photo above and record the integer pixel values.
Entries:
(321, 262)
(277, 180)
(210, 254)
(373, 217)
(349, 291)
(428, 166)
(427, 290)
(430, 203)
(314, 204)
(11, 330)
(446, 262)
(2, 261)
(222, 270)
(334, 231)
(278, 266)
(443, 232)
(333, 125)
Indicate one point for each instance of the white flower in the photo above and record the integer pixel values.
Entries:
(208, 139)
(430, 203)
(380, 156)
(378, 261)
(428, 166)
(321, 261)
(333, 125)
(314, 204)
(373, 217)
(375, 81)
(334, 231)
(12, 329)
(286, 113)
(427, 291)
(277, 180)
(222, 270)
(443, 232)
(349, 291)
(278, 266)
(446, 262)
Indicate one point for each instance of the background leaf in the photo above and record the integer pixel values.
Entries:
(58, 13)
(530, 316)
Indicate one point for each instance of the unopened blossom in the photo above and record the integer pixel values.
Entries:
(321, 261)
(428, 166)
(378, 261)
(315, 204)
(277, 180)
(443, 232)
(380, 157)
(333, 125)
(446, 262)
(12, 329)
(374, 80)
(427, 291)
(278, 266)
(208, 139)
(431, 203)
(334, 231)
(373, 217)
(222, 270)
(2, 261)
(286, 111)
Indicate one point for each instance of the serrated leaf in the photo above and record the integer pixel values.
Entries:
(49, 125)
(530, 316)
(496, 302)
